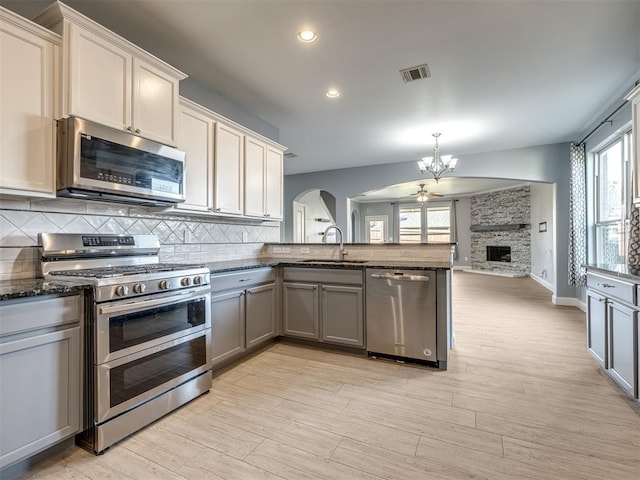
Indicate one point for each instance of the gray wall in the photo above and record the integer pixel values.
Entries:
(544, 163)
(195, 91)
(542, 243)
(463, 225)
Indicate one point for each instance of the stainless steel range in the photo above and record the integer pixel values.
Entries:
(148, 331)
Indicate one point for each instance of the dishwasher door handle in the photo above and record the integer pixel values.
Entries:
(403, 277)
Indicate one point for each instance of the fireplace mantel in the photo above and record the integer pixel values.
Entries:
(497, 228)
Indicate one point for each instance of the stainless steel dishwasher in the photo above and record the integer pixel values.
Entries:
(402, 315)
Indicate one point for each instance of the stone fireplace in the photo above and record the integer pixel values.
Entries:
(501, 231)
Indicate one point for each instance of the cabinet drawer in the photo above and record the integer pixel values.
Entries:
(319, 275)
(31, 314)
(612, 287)
(242, 279)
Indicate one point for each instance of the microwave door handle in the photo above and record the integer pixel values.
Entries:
(142, 305)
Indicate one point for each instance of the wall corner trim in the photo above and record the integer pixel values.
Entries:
(542, 282)
(569, 302)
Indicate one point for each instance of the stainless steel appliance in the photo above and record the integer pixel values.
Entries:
(148, 345)
(95, 162)
(403, 321)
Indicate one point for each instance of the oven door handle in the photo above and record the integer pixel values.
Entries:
(144, 304)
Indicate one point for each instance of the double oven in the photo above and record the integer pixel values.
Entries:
(148, 334)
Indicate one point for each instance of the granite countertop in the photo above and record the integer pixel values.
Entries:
(34, 287)
(629, 272)
(228, 266)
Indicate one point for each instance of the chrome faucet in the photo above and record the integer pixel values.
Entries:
(341, 253)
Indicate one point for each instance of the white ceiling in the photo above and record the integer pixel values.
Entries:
(448, 187)
(505, 74)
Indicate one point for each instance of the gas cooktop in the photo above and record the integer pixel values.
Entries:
(122, 270)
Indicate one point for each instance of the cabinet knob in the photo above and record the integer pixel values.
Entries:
(138, 130)
(218, 209)
(130, 129)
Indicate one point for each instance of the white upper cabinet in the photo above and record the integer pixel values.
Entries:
(195, 137)
(99, 80)
(228, 170)
(109, 80)
(262, 179)
(254, 170)
(274, 183)
(634, 98)
(28, 60)
(155, 103)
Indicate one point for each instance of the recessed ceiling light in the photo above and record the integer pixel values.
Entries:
(307, 36)
(333, 93)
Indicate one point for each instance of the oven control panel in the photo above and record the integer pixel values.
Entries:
(108, 241)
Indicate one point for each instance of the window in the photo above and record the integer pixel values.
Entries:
(430, 222)
(376, 228)
(411, 224)
(612, 198)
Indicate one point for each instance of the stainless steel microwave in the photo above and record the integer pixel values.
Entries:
(95, 162)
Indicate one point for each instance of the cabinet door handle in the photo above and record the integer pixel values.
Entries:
(606, 285)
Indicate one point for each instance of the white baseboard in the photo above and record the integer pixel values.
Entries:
(495, 273)
(569, 302)
(542, 282)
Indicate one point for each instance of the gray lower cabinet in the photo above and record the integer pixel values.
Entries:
(260, 314)
(243, 312)
(40, 374)
(300, 310)
(623, 347)
(597, 343)
(342, 315)
(324, 305)
(612, 328)
(227, 325)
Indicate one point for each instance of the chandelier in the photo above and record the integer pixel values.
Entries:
(437, 165)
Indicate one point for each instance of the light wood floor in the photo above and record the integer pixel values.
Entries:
(521, 400)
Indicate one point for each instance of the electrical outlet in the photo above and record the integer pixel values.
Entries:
(304, 249)
(277, 249)
(466, 259)
(286, 250)
(245, 237)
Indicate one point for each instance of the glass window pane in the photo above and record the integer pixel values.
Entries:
(610, 244)
(438, 224)
(410, 224)
(610, 184)
(376, 231)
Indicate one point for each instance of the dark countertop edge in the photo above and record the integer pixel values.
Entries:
(232, 265)
(36, 287)
(428, 244)
(617, 270)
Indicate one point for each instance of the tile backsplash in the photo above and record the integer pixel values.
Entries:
(183, 238)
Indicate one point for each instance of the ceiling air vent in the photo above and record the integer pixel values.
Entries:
(291, 155)
(415, 73)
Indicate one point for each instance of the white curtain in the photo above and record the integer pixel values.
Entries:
(577, 216)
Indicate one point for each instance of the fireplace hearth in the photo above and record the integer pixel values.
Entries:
(498, 254)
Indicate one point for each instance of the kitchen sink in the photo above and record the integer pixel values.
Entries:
(332, 261)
